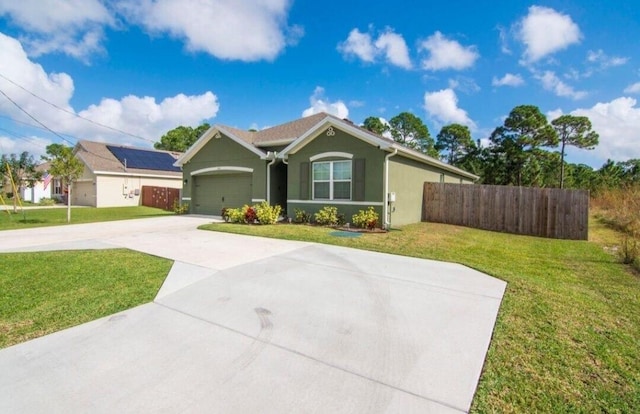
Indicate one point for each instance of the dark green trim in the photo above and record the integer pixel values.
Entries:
(304, 180)
(358, 179)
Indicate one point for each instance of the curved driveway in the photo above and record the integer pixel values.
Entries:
(245, 324)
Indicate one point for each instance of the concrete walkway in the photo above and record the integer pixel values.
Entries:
(245, 324)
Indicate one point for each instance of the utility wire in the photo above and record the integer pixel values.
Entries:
(73, 113)
(46, 127)
(31, 125)
(35, 119)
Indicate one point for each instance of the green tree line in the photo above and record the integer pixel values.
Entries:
(526, 150)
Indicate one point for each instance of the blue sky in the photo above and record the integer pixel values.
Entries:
(143, 67)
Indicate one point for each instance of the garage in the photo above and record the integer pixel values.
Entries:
(83, 193)
(214, 192)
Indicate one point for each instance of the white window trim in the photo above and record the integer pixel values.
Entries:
(337, 202)
(334, 154)
(223, 168)
(331, 181)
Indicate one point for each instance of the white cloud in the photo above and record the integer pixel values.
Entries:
(142, 116)
(464, 84)
(554, 114)
(551, 82)
(72, 27)
(443, 107)
(358, 44)
(604, 60)
(508, 79)
(635, 88)
(545, 31)
(320, 103)
(503, 35)
(618, 124)
(226, 29)
(447, 54)
(388, 44)
(395, 49)
(33, 145)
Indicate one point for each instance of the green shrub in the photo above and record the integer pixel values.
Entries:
(267, 214)
(328, 216)
(366, 219)
(180, 208)
(47, 201)
(235, 215)
(301, 216)
(225, 214)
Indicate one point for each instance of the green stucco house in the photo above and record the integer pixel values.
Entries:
(309, 163)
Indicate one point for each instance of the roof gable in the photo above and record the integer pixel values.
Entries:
(330, 122)
(243, 138)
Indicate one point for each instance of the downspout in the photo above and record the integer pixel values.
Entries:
(385, 207)
(273, 161)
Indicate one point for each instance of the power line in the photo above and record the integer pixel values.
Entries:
(35, 119)
(43, 125)
(31, 125)
(73, 113)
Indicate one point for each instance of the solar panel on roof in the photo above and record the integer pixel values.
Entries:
(144, 159)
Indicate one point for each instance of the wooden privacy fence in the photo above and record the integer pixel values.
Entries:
(545, 212)
(160, 197)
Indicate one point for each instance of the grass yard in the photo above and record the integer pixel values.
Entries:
(567, 338)
(58, 216)
(45, 292)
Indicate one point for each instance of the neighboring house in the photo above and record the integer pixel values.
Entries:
(46, 187)
(114, 174)
(307, 164)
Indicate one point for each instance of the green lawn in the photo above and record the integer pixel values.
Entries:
(58, 216)
(567, 338)
(45, 292)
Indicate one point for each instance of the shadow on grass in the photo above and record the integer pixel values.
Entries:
(32, 221)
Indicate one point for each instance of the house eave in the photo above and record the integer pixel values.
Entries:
(312, 133)
(420, 157)
(133, 174)
(275, 143)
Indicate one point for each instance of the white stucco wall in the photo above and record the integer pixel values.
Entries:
(122, 191)
(37, 192)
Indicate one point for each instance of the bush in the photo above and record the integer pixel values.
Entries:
(267, 214)
(234, 215)
(180, 208)
(225, 214)
(620, 209)
(47, 202)
(366, 219)
(301, 216)
(249, 214)
(630, 251)
(328, 216)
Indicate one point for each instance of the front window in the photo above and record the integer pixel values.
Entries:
(332, 180)
(57, 186)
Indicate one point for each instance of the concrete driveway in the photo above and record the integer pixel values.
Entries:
(245, 324)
